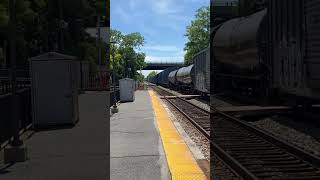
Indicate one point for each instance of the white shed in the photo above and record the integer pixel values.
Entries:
(54, 85)
(127, 89)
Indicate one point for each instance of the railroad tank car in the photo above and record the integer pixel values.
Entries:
(271, 52)
(236, 44)
(239, 55)
(172, 78)
(163, 76)
(201, 78)
(185, 78)
(185, 75)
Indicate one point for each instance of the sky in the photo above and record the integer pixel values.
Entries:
(162, 23)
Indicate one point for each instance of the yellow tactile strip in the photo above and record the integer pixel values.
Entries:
(181, 163)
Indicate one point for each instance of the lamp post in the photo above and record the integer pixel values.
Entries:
(114, 108)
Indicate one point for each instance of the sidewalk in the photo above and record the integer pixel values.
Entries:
(136, 149)
(78, 153)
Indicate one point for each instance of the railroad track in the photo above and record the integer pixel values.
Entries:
(249, 151)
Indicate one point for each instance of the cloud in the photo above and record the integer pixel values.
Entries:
(166, 7)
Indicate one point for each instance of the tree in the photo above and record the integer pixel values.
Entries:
(198, 34)
(140, 77)
(152, 74)
(127, 60)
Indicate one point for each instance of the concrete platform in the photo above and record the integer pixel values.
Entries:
(71, 153)
(136, 149)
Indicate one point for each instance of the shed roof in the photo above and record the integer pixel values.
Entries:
(49, 56)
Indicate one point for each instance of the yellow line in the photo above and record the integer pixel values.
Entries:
(181, 163)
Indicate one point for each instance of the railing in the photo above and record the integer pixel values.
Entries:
(97, 82)
(24, 102)
(6, 86)
(23, 110)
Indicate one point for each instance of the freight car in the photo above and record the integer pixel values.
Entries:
(172, 79)
(271, 52)
(185, 78)
(201, 78)
(194, 78)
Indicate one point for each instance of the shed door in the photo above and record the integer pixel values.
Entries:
(54, 92)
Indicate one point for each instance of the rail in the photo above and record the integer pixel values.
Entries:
(23, 110)
(251, 152)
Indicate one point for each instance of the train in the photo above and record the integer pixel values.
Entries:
(194, 78)
(273, 52)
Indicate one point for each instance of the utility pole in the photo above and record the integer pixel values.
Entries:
(15, 153)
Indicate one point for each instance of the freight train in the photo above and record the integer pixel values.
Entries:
(194, 78)
(274, 52)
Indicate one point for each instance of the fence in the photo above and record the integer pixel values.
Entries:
(24, 101)
(6, 86)
(90, 81)
(23, 110)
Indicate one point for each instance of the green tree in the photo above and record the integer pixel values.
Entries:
(140, 77)
(152, 74)
(127, 60)
(198, 34)
(39, 19)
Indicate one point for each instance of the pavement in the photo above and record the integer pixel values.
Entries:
(70, 153)
(136, 148)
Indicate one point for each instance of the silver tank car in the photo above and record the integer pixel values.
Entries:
(236, 43)
(201, 63)
(172, 77)
(185, 75)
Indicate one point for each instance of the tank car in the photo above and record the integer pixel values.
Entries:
(172, 79)
(271, 52)
(185, 77)
(239, 55)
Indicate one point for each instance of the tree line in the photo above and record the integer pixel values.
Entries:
(125, 55)
(53, 25)
(197, 33)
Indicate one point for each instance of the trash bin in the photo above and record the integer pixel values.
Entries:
(127, 89)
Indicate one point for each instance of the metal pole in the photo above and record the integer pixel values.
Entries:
(114, 81)
(14, 104)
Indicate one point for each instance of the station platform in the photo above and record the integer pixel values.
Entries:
(146, 145)
(71, 153)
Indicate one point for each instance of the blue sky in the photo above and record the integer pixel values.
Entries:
(162, 23)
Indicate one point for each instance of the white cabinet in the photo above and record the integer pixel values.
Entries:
(127, 88)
